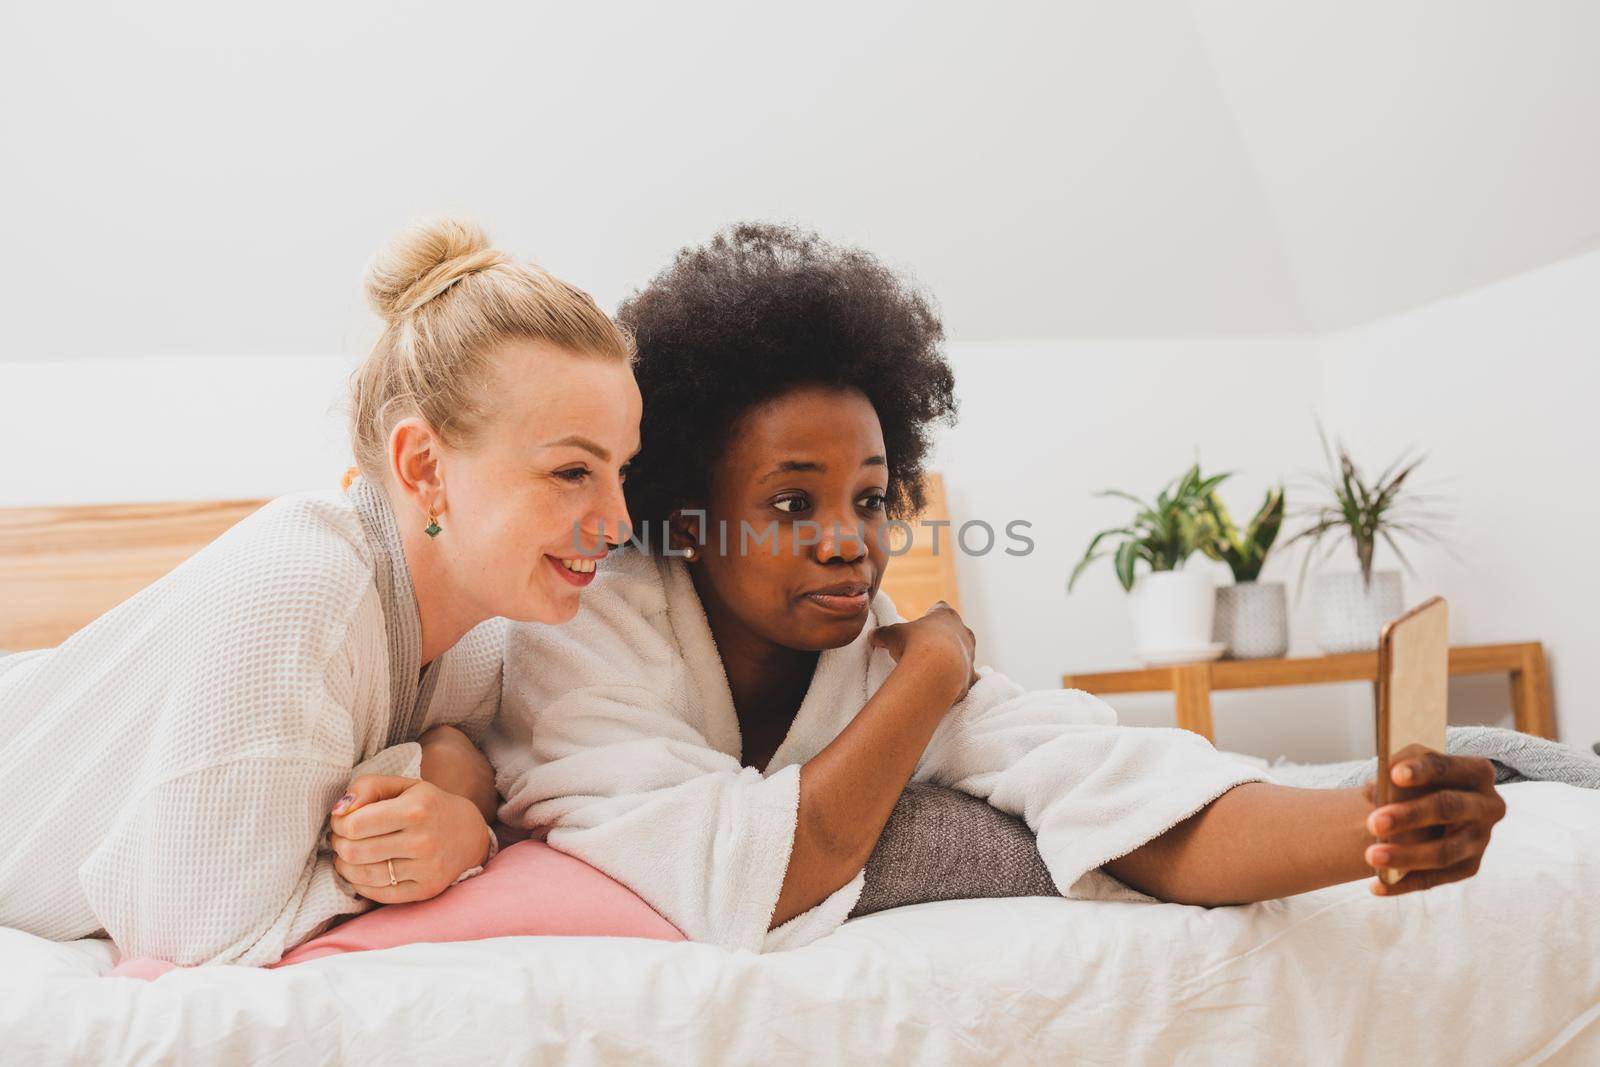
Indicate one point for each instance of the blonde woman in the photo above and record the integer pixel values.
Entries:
(281, 731)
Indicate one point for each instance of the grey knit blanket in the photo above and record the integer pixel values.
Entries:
(941, 844)
(1517, 757)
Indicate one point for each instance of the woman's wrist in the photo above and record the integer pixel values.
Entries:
(474, 835)
(1348, 811)
(485, 834)
(945, 675)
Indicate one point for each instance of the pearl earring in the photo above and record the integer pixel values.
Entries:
(689, 553)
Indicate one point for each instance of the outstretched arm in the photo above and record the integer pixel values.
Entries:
(1260, 841)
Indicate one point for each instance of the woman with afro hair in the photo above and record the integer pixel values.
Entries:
(732, 717)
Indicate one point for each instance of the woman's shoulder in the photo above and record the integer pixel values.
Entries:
(254, 623)
(632, 580)
(299, 564)
(322, 518)
(309, 539)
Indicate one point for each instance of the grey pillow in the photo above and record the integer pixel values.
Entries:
(942, 844)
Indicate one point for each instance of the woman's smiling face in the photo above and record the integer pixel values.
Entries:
(799, 491)
(532, 505)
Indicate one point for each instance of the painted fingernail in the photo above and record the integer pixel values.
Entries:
(344, 802)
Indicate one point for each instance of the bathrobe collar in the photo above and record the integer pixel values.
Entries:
(848, 674)
(409, 697)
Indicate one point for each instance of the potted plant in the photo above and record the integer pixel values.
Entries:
(1172, 607)
(1252, 616)
(1352, 608)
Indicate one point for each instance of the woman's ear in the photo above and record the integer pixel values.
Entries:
(686, 531)
(414, 464)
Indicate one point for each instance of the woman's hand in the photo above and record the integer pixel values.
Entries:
(453, 763)
(1440, 824)
(429, 835)
(939, 643)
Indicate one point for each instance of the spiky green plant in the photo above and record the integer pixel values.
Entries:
(1245, 552)
(1364, 512)
(1163, 534)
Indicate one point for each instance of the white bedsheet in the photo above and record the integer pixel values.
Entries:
(1502, 969)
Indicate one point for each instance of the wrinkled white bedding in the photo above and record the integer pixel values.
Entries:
(1502, 969)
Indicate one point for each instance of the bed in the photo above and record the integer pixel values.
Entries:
(1502, 969)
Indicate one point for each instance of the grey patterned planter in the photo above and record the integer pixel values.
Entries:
(1252, 620)
(1350, 616)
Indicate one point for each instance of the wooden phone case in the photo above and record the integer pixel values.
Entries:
(1413, 690)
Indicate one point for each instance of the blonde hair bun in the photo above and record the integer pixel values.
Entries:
(424, 260)
(450, 300)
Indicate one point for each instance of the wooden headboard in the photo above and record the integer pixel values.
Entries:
(918, 579)
(61, 568)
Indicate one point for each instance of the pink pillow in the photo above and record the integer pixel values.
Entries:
(527, 889)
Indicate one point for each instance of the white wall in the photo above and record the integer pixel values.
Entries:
(198, 178)
(1500, 386)
(110, 429)
(1409, 149)
(1046, 425)
(188, 177)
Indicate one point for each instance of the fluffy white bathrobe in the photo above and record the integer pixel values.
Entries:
(618, 733)
(167, 771)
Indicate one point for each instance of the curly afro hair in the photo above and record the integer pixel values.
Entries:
(758, 311)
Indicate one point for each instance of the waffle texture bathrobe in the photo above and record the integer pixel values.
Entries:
(167, 771)
(618, 733)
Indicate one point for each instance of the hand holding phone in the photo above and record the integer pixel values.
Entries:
(1434, 812)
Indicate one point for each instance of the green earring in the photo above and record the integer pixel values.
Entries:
(433, 527)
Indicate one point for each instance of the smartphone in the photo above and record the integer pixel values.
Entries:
(1413, 696)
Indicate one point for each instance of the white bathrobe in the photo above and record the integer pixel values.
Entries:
(618, 733)
(166, 773)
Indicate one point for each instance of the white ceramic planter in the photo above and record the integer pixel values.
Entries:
(1172, 612)
(1252, 620)
(1350, 616)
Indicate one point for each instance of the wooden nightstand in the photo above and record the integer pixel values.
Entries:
(1191, 684)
